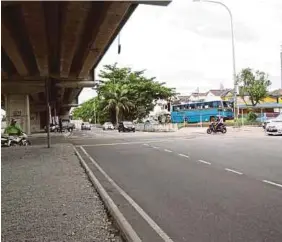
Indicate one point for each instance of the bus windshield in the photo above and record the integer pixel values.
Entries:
(227, 104)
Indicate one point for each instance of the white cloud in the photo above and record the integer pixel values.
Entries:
(188, 44)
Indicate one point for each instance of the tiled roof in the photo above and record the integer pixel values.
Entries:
(220, 92)
(277, 92)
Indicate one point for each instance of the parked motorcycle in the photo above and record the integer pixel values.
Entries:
(217, 128)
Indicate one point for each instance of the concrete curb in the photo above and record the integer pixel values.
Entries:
(128, 232)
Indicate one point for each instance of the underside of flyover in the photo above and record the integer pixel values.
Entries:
(50, 50)
(58, 44)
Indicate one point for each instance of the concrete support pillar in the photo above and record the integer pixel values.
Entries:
(17, 107)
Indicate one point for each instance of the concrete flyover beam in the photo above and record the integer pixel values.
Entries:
(33, 13)
(9, 45)
(110, 21)
(76, 84)
(157, 3)
(74, 16)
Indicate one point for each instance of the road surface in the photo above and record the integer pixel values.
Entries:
(204, 188)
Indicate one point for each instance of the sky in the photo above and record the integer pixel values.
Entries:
(188, 44)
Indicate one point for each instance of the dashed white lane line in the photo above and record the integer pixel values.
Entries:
(155, 147)
(205, 162)
(166, 150)
(186, 156)
(145, 144)
(236, 172)
(273, 183)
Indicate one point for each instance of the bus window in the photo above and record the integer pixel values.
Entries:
(205, 105)
(216, 104)
(210, 104)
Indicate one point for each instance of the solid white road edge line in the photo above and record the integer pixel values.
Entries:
(272, 183)
(146, 217)
(205, 162)
(236, 172)
(186, 156)
(166, 150)
(124, 225)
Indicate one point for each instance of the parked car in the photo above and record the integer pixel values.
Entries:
(108, 125)
(53, 128)
(274, 127)
(279, 118)
(67, 125)
(85, 126)
(126, 126)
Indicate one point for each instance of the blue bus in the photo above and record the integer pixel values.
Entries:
(196, 112)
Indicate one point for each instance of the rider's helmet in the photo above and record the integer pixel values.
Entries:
(13, 121)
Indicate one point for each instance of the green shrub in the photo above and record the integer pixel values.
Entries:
(251, 117)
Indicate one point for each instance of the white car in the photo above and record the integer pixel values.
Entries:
(274, 127)
(108, 125)
(279, 118)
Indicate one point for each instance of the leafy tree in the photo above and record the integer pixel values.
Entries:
(124, 94)
(251, 117)
(253, 84)
(116, 100)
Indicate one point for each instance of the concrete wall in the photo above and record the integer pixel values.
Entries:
(35, 122)
(17, 107)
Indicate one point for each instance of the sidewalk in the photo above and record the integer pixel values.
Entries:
(46, 196)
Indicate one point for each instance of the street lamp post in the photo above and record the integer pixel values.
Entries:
(233, 50)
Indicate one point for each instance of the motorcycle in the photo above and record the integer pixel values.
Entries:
(5, 141)
(216, 128)
(15, 140)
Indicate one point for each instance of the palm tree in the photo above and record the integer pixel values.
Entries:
(116, 99)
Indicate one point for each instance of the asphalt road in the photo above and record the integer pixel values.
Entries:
(208, 188)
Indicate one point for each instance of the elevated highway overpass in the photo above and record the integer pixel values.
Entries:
(50, 51)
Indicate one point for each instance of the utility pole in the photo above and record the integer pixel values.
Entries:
(281, 63)
(47, 92)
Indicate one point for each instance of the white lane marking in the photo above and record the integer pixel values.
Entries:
(205, 162)
(155, 147)
(272, 183)
(108, 200)
(236, 172)
(167, 150)
(186, 156)
(126, 143)
(145, 216)
(145, 144)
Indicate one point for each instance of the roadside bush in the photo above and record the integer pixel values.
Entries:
(251, 117)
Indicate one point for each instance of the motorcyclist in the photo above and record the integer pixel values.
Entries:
(13, 129)
(219, 122)
(213, 124)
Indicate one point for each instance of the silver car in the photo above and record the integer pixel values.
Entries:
(85, 126)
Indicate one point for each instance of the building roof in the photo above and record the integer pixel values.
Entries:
(277, 92)
(197, 94)
(220, 92)
(261, 105)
